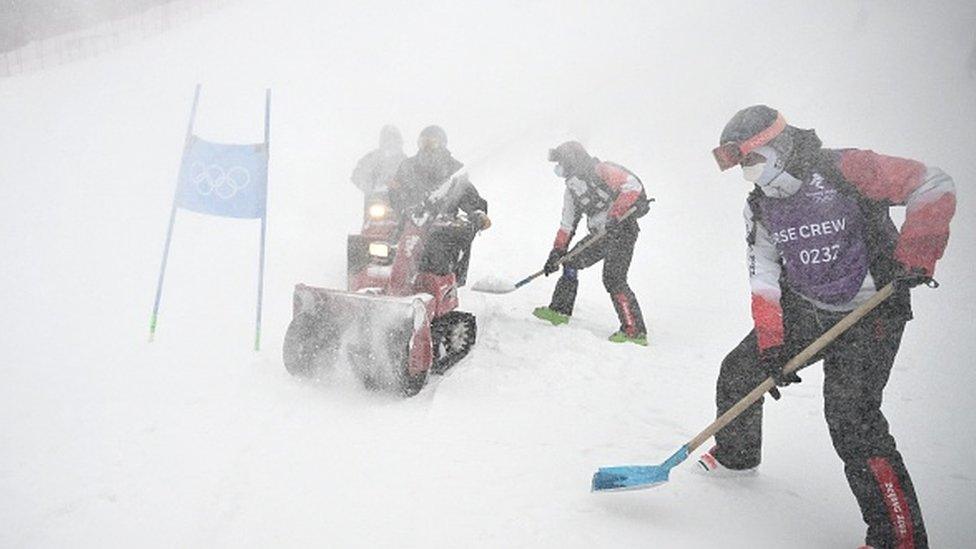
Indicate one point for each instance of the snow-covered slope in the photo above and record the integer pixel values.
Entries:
(196, 441)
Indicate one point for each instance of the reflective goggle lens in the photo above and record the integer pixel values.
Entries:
(428, 143)
(727, 155)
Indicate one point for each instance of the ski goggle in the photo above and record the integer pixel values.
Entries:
(553, 155)
(732, 153)
(429, 143)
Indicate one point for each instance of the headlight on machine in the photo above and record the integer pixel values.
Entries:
(377, 211)
(379, 249)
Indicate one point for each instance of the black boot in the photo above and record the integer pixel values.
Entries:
(564, 296)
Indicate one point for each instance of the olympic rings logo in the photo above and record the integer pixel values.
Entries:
(214, 180)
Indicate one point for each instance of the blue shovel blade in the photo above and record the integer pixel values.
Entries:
(636, 477)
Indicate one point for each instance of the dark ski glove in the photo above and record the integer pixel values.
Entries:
(484, 222)
(552, 264)
(909, 277)
(612, 226)
(772, 361)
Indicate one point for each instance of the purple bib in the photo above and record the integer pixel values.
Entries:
(819, 233)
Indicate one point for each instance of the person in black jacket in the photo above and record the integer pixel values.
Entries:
(434, 179)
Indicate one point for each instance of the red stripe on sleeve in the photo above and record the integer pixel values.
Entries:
(623, 203)
(562, 239)
(767, 314)
(925, 233)
(880, 177)
(613, 176)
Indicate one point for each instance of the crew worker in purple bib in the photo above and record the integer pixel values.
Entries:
(820, 243)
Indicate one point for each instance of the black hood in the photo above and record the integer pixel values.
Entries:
(806, 153)
(573, 158)
(436, 165)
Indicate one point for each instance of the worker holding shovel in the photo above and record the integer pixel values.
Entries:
(821, 244)
(612, 198)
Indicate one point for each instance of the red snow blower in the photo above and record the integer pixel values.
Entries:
(397, 322)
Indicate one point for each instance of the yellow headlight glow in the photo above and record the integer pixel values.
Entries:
(377, 211)
(379, 249)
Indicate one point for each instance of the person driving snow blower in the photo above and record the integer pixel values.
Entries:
(420, 176)
(399, 321)
(821, 243)
(604, 191)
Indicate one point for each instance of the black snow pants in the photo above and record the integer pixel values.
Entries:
(856, 369)
(616, 250)
(448, 250)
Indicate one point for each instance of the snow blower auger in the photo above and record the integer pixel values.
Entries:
(397, 323)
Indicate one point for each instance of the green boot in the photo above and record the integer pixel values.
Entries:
(547, 314)
(622, 337)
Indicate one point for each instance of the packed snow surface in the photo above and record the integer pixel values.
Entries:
(196, 441)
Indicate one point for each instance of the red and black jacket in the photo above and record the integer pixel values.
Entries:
(877, 182)
(605, 191)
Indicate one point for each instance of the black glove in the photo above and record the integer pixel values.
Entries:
(772, 361)
(484, 222)
(552, 264)
(909, 277)
(612, 225)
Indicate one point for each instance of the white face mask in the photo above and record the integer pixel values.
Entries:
(773, 178)
(559, 170)
(752, 173)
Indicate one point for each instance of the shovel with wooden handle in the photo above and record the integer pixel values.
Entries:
(637, 477)
(491, 287)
